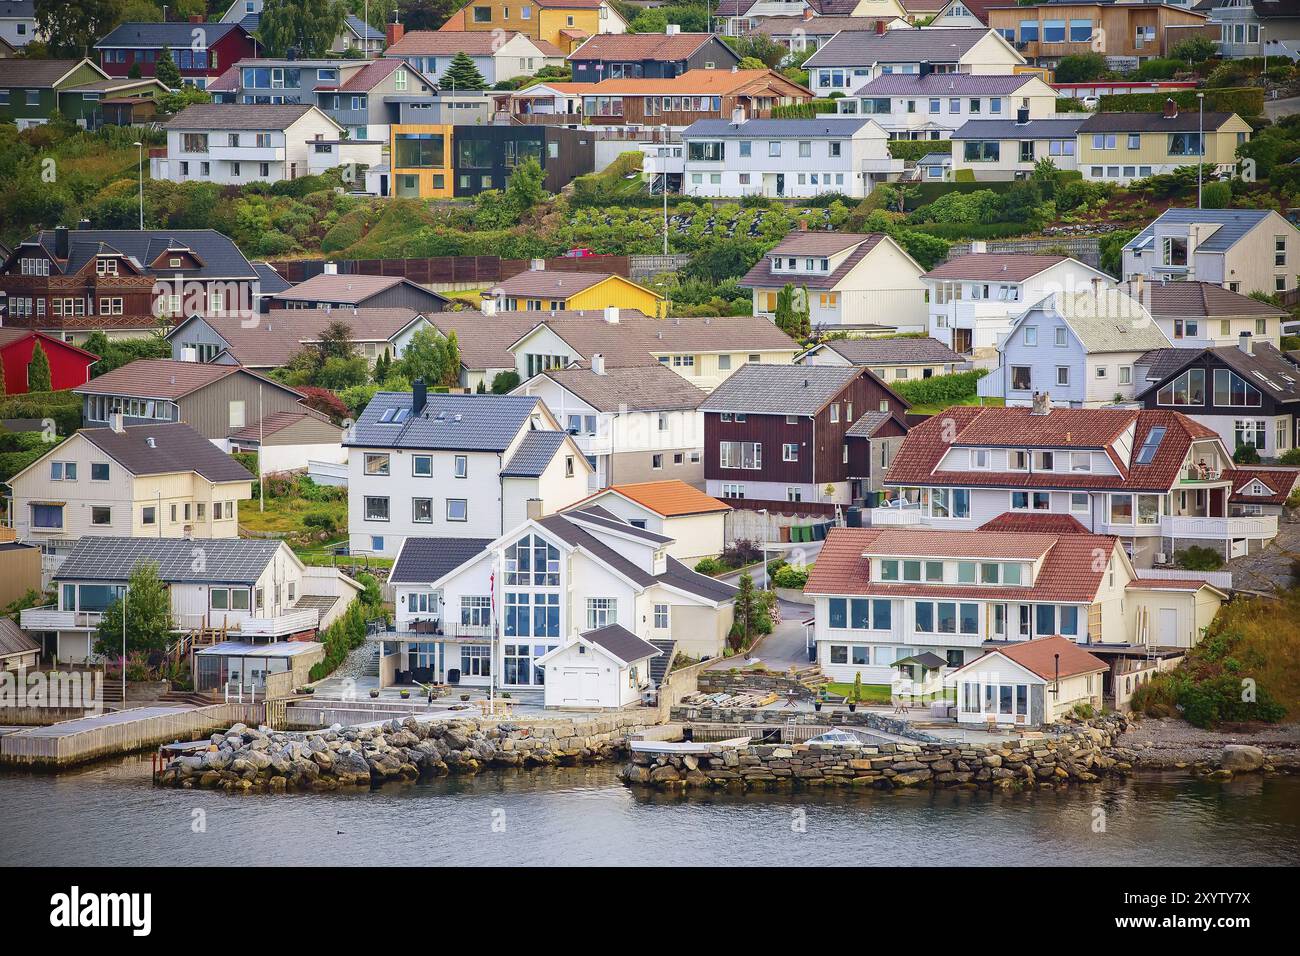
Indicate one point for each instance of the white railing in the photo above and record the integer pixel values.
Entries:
(1257, 526)
(50, 618)
(896, 517)
(290, 623)
(1218, 579)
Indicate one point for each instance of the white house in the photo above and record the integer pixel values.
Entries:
(973, 299)
(782, 157)
(18, 22)
(696, 522)
(635, 423)
(1030, 684)
(1080, 346)
(605, 668)
(934, 105)
(853, 58)
(472, 611)
(234, 143)
(255, 591)
(497, 55)
(455, 465)
(851, 280)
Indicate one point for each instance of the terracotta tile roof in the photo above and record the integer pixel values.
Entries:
(1035, 524)
(713, 82)
(1068, 571)
(157, 378)
(371, 75)
(1167, 584)
(1280, 481)
(672, 498)
(351, 289)
(994, 266)
(1040, 656)
(1177, 300)
(446, 42)
(641, 46)
(811, 244)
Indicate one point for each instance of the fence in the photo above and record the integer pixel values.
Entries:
(1086, 249)
(465, 271)
(645, 267)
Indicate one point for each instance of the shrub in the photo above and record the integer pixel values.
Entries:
(709, 566)
(914, 149)
(740, 552)
(1211, 702)
(1290, 457)
(1216, 195)
(1246, 101)
(1246, 454)
(1198, 558)
(320, 519)
(788, 576)
(941, 389)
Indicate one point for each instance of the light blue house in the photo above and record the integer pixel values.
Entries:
(1078, 347)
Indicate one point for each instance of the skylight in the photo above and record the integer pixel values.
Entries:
(1149, 446)
(394, 416)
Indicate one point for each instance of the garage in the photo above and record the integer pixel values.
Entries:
(601, 669)
(579, 687)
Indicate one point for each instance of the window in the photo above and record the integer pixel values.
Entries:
(1031, 501)
(1063, 375)
(601, 612)
(1020, 378)
(457, 509)
(376, 464)
(1079, 503)
(1121, 509)
(532, 560)
(47, 516)
(475, 610)
(741, 454)
(1103, 141)
(661, 617)
(790, 452)
(1279, 250)
(1231, 390)
(422, 510)
(376, 509)
(1186, 389)
(1080, 31)
(63, 471)
(149, 515)
(100, 515)
(1250, 432)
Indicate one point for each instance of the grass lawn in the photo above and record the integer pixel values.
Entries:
(285, 516)
(973, 400)
(871, 693)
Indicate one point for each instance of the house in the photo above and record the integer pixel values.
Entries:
(1194, 314)
(1007, 149)
(1243, 250)
(1126, 33)
(123, 281)
(250, 591)
(355, 94)
(1091, 91)
(565, 24)
(144, 481)
(486, 156)
(234, 144)
(811, 32)
(235, 408)
(935, 167)
(1154, 477)
(1081, 346)
(20, 573)
(934, 105)
(649, 55)
(1262, 490)
(541, 290)
(496, 57)
(17, 650)
(1248, 394)
(776, 433)
(1265, 28)
(777, 157)
(358, 36)
(973, 299)
(965, 13)
(474, 612)
(329, 290)
(850, 280)
(885, 595)
(69, 365)
(852, 59)
(578, 679)
(1029, 684)
(422, 464)
(18, 22)
(635, 423)
(279, 335)
(1156, 143)
(200, 50)
(901, 359)
(32, 90)
(695, 522)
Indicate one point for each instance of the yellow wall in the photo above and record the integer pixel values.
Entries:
(427, 186)
(552, 21)
(617, 291)
(1220, 148)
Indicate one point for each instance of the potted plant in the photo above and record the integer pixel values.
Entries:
(505, 695)
(374, 693)
(818, 700)
(464, 697)
(857, 692)
(404, 694)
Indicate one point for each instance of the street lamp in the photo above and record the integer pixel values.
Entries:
(1200, 145)
(664, 184)
(763, 512)
(124, 590)
(140, 164)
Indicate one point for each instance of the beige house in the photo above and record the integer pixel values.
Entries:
(1123, 147)
(139, 481)
(1005, 149)
(696, 522)
(890, 358)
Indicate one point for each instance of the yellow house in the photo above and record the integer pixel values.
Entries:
(420, 160)
(540, 290)
(565, 23)
(1122, 147)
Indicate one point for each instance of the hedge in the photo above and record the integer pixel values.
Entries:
(1244, 101)
(64, 407)
(914, 149)
(941, 389)
(810, 110)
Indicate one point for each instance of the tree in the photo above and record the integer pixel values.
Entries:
(325, 402)
(166, 71)
(426, 14)
(336, 341)
(792, 312)
(1194, 49)
(751, 63)
(308, 26)
(462, 74)
(753, 614)
(1246, 454)
(72, 29)
(505, 382)
(382, 366)
(431, 357)
(760, 47)
(1080, 67)
(525, 188)
(148, 614)
(38, 371)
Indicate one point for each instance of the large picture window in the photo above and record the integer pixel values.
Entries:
(533, 560)
(1186, 389)
(1230, 389)
(420, 150)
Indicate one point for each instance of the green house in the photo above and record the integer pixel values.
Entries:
(31, 90)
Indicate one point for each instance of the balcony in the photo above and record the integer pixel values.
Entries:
(50, 618)
(896, 517)
(968, 313)
(281, 625)
(1193, 475)
(1263, 527)
(246, 154)
(881, 167)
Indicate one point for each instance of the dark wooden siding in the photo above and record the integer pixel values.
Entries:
(865, 393)
(1268, 404)
(772, 431)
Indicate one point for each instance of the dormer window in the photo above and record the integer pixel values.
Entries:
(106, 267)
(174, 262)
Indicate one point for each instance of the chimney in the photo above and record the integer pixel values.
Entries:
(1022, 116)
(61, 242)
(803, 225)
(978, 247)
(331, 268)
(880, 28)
(392, 33)
(1171, 108)
(672, 29)
(115, 422)
(419, 396)
(1135, 286)
(537, 265)
(489, 305)
(808, 13)
(533, 508)
(737, 116)
(1042, 403)
(197, 18)
(598, 364)
(1246, 343)
(83, 224)
(611, 314)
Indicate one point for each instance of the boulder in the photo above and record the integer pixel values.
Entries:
(1241, 758)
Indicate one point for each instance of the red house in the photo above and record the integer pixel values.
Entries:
(201, 51)
(69, 365)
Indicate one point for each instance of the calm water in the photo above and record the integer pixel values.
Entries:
(110, 814)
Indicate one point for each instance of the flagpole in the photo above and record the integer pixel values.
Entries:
(492, 645)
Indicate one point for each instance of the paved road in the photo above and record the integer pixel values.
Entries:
(784, 647)
(795, 552)
(1275, 109)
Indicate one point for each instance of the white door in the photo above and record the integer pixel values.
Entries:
(578, 687)
(1168, 627)
(1238, 548)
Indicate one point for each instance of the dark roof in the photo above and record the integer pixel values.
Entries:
(1159, 363)
(218, 256)
(454, 422)
(805, 244)
(174, 34)
(21, 71)
(621, 642)
(13, 640)
(644, 388)
(1010, 129)
(425, 560)
(271, 281)
(939, 45)
(176, 447)
(604, 518)
(166, 378)
(276, 422)
(1233, 225)
(1151, 122)
(944, 84)
(280, 333)
(1178, 300)
(680, 576)
(887, 351)
(868, 424)
(225, 560)
(779, 128)
(239, 116)
(1264, 367)
(780, 389)
(781, 26)
(534, 453)
(659, 665)
(362, 29)
(348, 289)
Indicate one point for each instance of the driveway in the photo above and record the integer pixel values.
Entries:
(795, 552)
(1276, 109)
(784, 647)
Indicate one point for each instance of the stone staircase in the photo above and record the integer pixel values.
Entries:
(812, 677)
(372, 665)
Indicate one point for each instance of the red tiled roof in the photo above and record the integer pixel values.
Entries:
(1279, 481)
(1069, 572)
(1035, 524)
(1040, 656)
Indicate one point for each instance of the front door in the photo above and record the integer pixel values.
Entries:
(961, 340)
(1167, 627)
(780, 184)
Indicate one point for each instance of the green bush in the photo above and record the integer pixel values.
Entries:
(1246, 454)
(63, 408)
(1198, 558)
(709, 566)
(1211, 702)
(788, 576)
(941, 389)
(344, 635)
(1216, 195)
(914, 149)
(1290, 457)
(1244, 101)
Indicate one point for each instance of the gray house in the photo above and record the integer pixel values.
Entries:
(329, 290)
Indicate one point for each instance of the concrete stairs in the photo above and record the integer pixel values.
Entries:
(372, 665)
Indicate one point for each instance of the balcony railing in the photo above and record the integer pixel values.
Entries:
(896, 517)
(50, 618)
(1195, 475)
(283, 624)
(1182, 526)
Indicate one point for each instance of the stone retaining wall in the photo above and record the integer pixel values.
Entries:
(863, 719)
(1084, 754)
(751, 682)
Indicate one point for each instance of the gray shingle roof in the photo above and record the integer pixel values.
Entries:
(604, 518)
(209, 116)
(1233, 225)
(224, 560)
(680, 576)
(779, 128)
(659, 665)
(220, 258)
(1109, 321)
(1178, 300)
(176, 448)
(34, 74)
(362, 29)
(177, 35)
(891, 351)
(1160, 363)
(1010, 129)
(13, 640)
(864, 48)
(535, 452)
(1266, 368)
(643, 388)
(271, 280)
(780, 389)
(1151, 122)
(867, 424)
(798, 244)
(621, 642)
(454, 422)
(425, 560)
